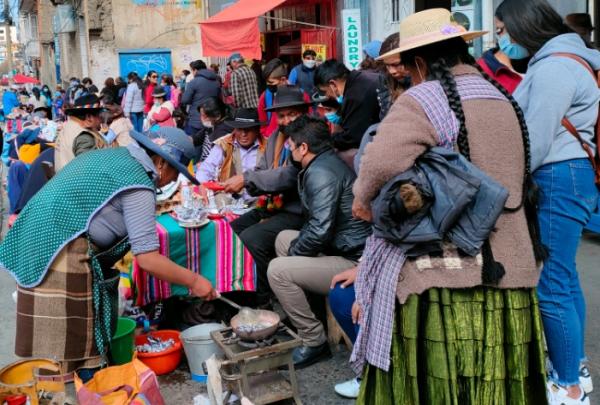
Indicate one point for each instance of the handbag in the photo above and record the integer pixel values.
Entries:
(129, 384)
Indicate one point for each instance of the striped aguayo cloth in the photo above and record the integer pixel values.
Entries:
(214, 251)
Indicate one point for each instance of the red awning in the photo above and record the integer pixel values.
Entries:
(235, 29)
(22, 79)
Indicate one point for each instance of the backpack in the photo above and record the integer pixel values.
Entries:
(594, 158)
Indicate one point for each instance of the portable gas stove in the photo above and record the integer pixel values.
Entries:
(251, 368)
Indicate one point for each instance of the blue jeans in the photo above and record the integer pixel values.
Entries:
(568, 196)
(137, 119)
(340, 302)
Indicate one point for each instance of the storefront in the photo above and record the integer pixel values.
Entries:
(298, 25)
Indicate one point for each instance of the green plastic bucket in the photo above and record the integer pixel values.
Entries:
(121, 345)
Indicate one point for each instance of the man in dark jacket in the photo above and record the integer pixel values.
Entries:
(330, 240)
(274, 175)
(356, 92)
(204, 85)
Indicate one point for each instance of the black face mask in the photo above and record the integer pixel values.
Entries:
(296, 164)
(272, 88)
(282, 128)
(406, 82)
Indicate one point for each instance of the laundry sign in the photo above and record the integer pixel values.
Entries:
(352, 34)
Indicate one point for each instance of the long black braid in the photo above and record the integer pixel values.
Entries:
(492, 270)
(530, 198)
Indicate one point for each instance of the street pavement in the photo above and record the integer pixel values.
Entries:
(316, 382)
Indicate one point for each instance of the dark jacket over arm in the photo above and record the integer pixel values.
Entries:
(360, 109)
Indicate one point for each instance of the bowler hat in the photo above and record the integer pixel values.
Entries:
(88, 103)
(245, 118)
(288, 96)
(159, 91)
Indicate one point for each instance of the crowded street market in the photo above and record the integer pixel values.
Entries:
(388, 202)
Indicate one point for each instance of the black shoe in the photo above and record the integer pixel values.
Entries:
(304, 356)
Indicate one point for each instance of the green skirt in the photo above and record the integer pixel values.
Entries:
(478, 346)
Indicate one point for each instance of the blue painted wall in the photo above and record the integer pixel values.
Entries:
(144, 60)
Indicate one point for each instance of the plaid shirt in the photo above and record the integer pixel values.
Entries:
(244, 87)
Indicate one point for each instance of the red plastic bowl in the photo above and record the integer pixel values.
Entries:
(162, 362)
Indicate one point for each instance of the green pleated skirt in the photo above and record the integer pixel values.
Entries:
(478, 346)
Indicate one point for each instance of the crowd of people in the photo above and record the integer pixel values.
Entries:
(437, 200)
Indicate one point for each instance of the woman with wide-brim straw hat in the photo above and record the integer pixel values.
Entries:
(444, 327)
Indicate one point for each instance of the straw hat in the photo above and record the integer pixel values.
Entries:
(428, 27)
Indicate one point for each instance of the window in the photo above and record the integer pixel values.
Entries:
(396, 10)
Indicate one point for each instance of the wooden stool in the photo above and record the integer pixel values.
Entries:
(334, 332)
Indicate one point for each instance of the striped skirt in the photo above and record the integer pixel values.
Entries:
(56, 319)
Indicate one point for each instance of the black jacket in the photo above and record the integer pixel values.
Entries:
(360, 109)
(266, 179)
(325, 189)
(204, 85)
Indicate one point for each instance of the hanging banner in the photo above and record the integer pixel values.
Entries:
(320, 50)
(352, 34)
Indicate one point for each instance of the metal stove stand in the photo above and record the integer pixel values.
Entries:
(252, 369)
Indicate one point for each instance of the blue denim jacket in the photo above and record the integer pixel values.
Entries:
(462, 204)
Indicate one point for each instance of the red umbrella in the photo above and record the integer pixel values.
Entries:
(22, 79)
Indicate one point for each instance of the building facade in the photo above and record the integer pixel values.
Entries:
(102, 38)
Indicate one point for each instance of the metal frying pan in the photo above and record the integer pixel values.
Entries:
(253, 324)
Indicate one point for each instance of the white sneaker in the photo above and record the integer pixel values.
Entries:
(585, 379)
(348, 389)
(557, 395)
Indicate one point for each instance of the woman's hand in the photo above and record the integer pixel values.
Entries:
(202, 288)
(361, 212)
(356, 313)
(345, 277)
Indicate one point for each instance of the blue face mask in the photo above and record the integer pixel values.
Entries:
(340, 99)
(510, 49)
(333, 117)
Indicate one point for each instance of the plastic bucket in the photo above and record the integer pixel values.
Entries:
(199, 346)
(121, 345)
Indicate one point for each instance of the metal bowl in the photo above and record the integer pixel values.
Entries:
(268, 318)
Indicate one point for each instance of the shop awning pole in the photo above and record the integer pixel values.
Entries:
(298, 22)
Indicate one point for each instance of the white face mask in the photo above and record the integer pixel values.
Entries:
(310, 63)
(207, 124)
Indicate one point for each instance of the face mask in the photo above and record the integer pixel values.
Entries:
(272, 88)
(340, 99)
(333, 117)
(282, 128)
(296, 164)
(405, 82)
(510, 49)
(310, 64)
(207, 124)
